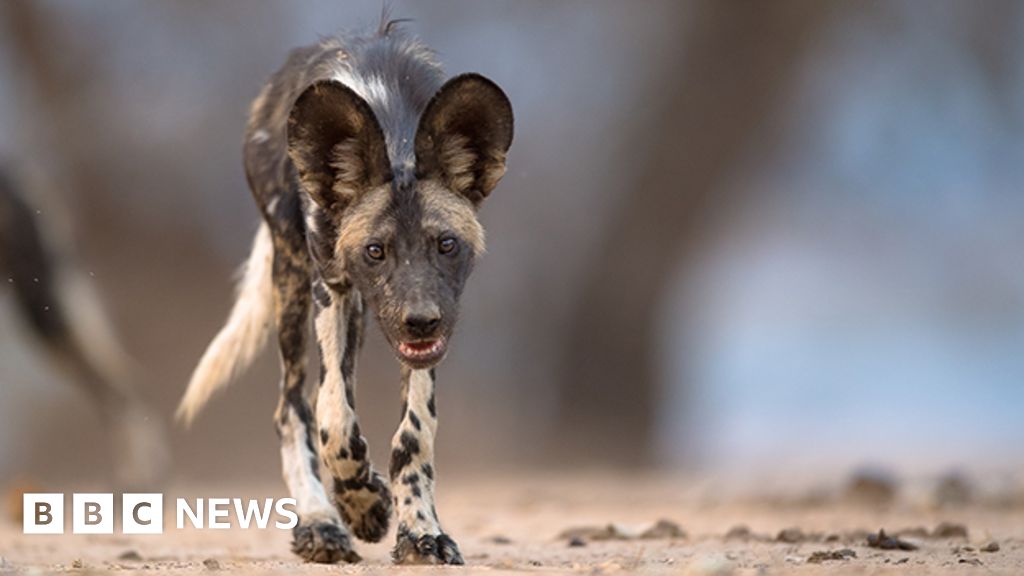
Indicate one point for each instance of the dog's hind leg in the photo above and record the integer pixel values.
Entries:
(420, 538)
(361, 494)
(320, 535)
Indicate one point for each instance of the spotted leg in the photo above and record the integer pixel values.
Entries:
(320, 535)
(420, 538)
(359, 492)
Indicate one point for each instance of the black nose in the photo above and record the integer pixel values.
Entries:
(422, 324)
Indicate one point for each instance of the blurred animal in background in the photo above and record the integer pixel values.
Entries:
(61, 310)
(368, 169)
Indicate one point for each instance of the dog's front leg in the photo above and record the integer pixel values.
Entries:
(360, 493)
(420, 538)
(320, 535)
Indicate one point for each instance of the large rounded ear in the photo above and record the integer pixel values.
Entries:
(336, 144)
(463, 136)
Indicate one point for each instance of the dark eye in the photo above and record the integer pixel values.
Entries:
(375, 251)
(447, 245)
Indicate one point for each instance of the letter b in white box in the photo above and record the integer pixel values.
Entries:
(142, 513)
(92, 513)
(42, 513)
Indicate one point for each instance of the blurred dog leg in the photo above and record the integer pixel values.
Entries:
(61, 308)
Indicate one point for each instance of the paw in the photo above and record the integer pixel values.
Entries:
(322, 542)
(425, 549)
(366, 507)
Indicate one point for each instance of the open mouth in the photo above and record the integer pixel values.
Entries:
(423, 351)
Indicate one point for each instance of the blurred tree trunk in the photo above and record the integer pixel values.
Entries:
(55, 89)
(56, 131)
(736, 61)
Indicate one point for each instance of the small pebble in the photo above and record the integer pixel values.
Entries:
(791, 536)
(949, 530)
(131, 555)
(577, 542)
(990, 547)
(211, 564)
(915, 532)
(663, 529)
(499, 539)
(885, 542)
(607, 532)
(77, 563)
(826, 555)
(740, 532)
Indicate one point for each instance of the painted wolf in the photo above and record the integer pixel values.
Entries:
(368, 169)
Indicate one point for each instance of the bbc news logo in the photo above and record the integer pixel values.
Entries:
(144, 513)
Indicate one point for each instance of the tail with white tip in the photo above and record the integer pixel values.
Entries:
(244, 334)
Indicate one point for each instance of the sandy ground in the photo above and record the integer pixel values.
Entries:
(513, 525)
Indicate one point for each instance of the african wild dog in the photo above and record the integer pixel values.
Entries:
(368, 170)
(61, 309)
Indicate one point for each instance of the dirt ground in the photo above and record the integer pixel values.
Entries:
(518, 525)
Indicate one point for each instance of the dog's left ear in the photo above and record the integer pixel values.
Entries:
(463, 136)
(336, 145)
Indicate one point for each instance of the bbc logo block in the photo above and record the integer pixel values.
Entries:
(93, 513)
(43, 514)
(142, 513)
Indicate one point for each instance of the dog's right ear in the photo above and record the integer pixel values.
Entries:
(463, 136)
(336, 144)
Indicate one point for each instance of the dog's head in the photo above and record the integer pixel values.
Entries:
(405, 237)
